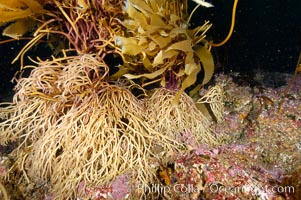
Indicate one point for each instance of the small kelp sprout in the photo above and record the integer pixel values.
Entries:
(175, 121)
(22, 13)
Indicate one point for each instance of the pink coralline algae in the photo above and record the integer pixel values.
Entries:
(120, 187)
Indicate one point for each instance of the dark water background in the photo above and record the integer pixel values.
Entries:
(267, 37)
(267, 34)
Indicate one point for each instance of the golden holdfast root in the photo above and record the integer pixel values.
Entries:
(80, 128)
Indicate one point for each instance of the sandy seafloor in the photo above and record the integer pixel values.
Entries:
(259, 156)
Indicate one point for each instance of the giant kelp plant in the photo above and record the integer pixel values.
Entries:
(162, 45)
(78, 123)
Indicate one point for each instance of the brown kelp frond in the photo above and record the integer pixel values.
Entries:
(214, 98)
(177, 120)
(22, 13)
(18, 9)
(157, 40)
(80, 128)
(23, 17)
(19, 28)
